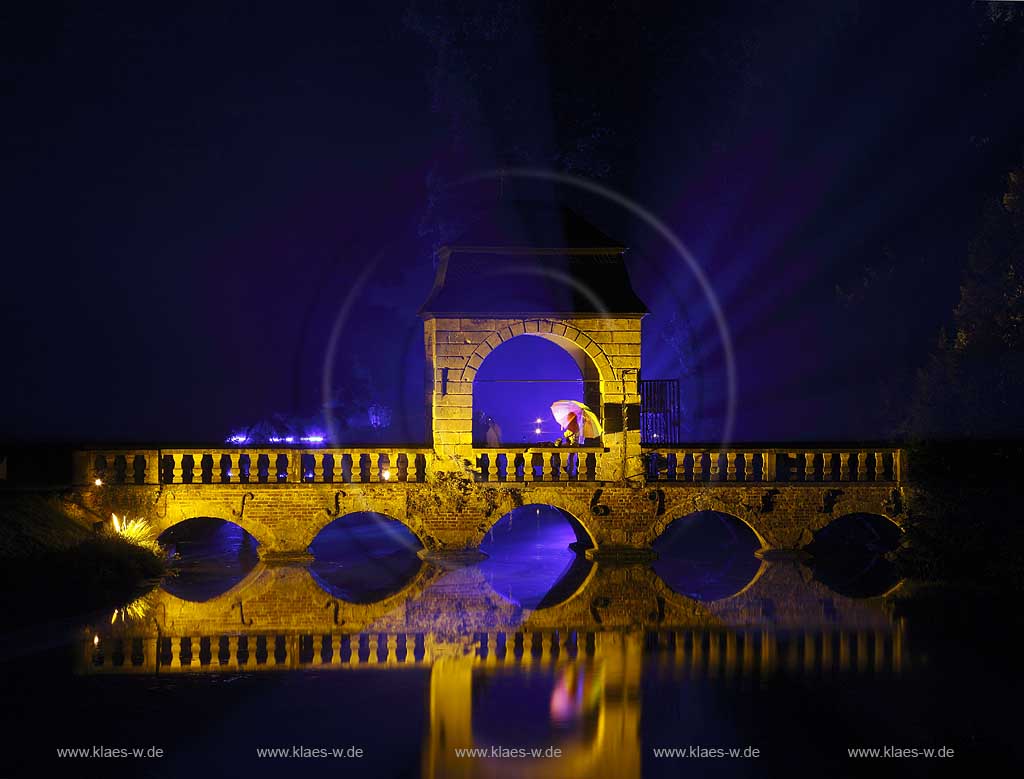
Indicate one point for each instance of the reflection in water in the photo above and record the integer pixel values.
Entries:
(529, 560)
(364, 557)
(208, 557)
(600, 676)
(551, 706)
(707, 556)
(849, 555)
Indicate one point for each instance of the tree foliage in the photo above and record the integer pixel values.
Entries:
(974, 382)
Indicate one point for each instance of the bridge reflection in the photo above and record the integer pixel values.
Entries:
(577, 665)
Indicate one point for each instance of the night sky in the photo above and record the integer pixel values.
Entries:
(193, 192)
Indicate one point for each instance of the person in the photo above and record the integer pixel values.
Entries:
(571, 434)
(572, 437)
(480, 428)
(493, 436)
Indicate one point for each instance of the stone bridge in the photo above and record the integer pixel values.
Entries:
(540, 275)
(285, 497)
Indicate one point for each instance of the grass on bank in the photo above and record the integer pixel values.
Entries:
(50, 566)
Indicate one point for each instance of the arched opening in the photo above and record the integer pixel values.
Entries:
(707, 555)
(364, 557)
(208, 557)
(553, 706)
(516, 384)
(849, 555)
(534, 556)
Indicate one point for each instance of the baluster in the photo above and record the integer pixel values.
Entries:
(730, 466)
(293, 468)
(862, 650)
(197, 468)
(714, 656)
(826, 466)
(373, 641)
(335, 650)
(769, 652)
(698, 466)
(195, 642)
(747, 660)
(809, 654)
(697, 653)
(233, 651)
(826, 653)
(809, 474)
(730, 654)
(320, 466)
(715, 474)
(176, 652)
(392, 645)
(862, 466)
(844, 651)
(879, 466)
(769, 467)
(879, 651)
(178, 468)
(552, 465)
(844, 466)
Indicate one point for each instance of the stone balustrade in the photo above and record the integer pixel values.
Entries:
(203, 465)
(773, 465)
(738, 464)
(549, 463)
(702, 652)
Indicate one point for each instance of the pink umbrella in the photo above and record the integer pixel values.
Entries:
(590, 427)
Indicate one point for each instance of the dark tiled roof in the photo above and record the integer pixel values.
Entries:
(524, 223)
(533, 261)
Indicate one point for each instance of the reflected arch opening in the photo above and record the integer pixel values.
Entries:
(364, 557)
(850, 555)
(707, 555)
(535, 556)
(208, 556)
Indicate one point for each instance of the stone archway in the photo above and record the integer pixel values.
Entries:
(589, 356)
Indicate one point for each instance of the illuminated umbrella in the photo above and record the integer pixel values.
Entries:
(590, 427)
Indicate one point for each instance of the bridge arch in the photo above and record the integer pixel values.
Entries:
(875, 530)
(580, 346)
(539, 566)
(697, 505)
(211, 556)
(364, 557)
(585, 538)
